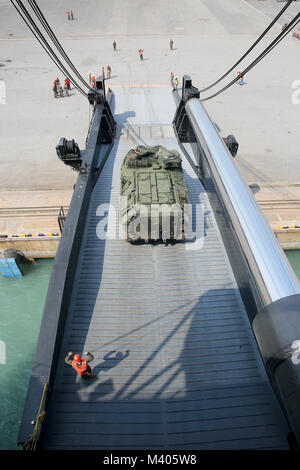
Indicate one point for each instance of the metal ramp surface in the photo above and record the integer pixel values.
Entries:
(176, 361)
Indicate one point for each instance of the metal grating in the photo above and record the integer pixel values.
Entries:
(177, 364)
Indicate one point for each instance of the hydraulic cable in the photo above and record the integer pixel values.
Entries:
(251, 48)
(271, 46)
(38, 35)
(54, 39)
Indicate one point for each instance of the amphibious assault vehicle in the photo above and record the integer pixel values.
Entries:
(154, 196)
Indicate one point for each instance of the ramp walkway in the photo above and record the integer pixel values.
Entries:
(176, 361)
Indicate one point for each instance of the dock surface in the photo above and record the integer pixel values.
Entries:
(268, 140)
(220, 31)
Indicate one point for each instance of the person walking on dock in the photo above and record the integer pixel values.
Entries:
(241, 80)
(60, 91)
(68, 15)
(72, 17)
(171, 44)
(172, 80)
(115, 45)
(141, 52)
(67, 83)
(54, 88)
(67, 86)
(176, 83)
(103, 73)
(108, 71)
(81, 365)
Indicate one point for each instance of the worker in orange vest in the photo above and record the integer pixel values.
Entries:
(93, 82)
(81, 365)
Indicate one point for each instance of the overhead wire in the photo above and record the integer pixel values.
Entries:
(41, 39)
(43, 42)
(251, 48)
(39, 14)
(266, 51)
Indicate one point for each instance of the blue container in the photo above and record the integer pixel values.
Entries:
(9, 268)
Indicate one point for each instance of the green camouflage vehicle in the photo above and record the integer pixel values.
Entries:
(153, 195)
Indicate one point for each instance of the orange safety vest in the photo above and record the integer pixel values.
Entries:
(79, 369)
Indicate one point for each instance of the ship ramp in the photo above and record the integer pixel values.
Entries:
(176, 360)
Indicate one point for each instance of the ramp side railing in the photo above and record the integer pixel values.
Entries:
(268, 285)
(62, 275)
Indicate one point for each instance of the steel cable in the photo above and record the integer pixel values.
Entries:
(271, 46)
(54, 39)
(250, 49)
(38, 35)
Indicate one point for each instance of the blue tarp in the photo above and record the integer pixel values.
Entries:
(9, 268)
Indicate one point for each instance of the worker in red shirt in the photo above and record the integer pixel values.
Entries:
(81, 365)
(67, 86)
(141, 54)
(67, 83)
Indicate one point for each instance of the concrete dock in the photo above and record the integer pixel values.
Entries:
(209, 36)
(30, 228)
